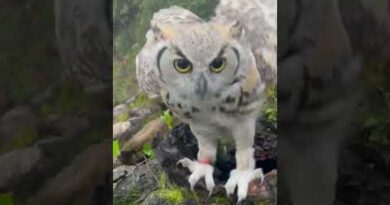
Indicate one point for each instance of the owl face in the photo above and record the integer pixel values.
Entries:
(200, 60)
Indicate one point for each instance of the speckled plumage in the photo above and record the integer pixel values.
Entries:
(217, 104)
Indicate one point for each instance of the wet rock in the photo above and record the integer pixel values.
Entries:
(140, 112)
(155, 199)
(364, 176)
(18, 123)
(266, 190)
(121, 128)
(66, 126)
(16, 164)
(120, 110)
(134, 182)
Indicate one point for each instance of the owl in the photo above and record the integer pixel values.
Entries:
(213, 77)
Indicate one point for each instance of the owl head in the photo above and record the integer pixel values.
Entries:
(200, 59)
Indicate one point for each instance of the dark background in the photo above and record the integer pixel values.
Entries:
(56, 101)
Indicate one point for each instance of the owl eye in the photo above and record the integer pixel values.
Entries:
(218, 65)
(182, 65)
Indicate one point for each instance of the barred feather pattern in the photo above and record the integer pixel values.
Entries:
(249, 13)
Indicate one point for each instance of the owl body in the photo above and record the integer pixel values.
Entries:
(211, 76)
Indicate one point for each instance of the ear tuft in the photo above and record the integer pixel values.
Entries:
(236, 29)
(162, 32)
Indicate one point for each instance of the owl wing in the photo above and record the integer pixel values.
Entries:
(146, 59)
(258, 19)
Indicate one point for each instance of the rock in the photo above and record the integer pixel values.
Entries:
(18, 123)
(155, 199)
(3, 100)
(132, 99)
(146, 134)
(120, 110)
(134, 182)
(180, 143)
(140, 112)
(16, 164)
(66, 126)
(87, 171)
(121, 128)
(266, 190)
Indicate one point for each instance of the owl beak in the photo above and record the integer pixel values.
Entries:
(201, 86)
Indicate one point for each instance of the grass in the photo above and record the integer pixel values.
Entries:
(6, 199)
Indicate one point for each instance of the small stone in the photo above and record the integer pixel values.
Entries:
(121, 128)
(132, 180)
(18, 122)
(120, 110)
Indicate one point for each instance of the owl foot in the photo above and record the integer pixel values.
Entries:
(241, 179)
(199, 170)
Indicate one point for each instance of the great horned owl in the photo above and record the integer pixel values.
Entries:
(212, 75)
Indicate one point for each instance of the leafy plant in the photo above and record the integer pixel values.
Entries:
(168, 119)
(270, 107)
(148, 151)
(6, 199)
(115, 148)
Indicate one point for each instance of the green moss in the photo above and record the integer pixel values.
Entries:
(142, 100)
(25, 138)
(6, 199)
(69, 97)
(170, 192)
(122, 117)
(269, 109)
(174, 195)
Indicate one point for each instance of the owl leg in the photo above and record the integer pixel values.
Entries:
(203, 167)
(245, 172)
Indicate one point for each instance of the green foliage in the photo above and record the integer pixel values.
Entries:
(6, 199)
(115, 148)
(376, 118)
(270, 107)
(26, 137)
(122, 117)
(377, 128)
(68, 98)
(169, 192)
(148, 151)
(168, 119)
(142, 100)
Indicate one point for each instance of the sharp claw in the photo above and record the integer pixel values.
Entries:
(209, 181)
(210, 193)
(230, 188)
(242, 190)
(184, 162)
(241, 180)
(198, 171)
(258, 174)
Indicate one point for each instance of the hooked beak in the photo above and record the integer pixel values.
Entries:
(201, 86)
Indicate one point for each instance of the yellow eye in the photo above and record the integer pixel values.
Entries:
(182, 65)
(218, 65)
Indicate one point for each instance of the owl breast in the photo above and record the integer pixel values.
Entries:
(234, 103)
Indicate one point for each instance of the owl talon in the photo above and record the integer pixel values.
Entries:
(241, 179)
(198, 171)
